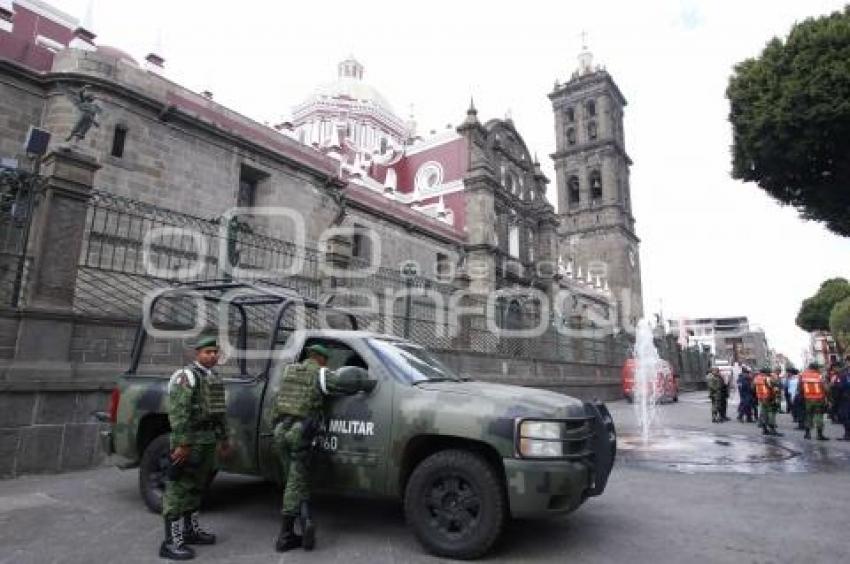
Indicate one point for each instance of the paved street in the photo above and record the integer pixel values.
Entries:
(745, 500)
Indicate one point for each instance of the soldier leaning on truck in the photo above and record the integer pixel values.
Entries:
(298, 419)
(196, 415)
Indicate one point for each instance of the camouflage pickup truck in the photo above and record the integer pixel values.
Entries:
(463, 456)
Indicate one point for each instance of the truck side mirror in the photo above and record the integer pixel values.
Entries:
(356, 379)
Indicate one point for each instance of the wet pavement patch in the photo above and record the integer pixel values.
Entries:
(688, 451)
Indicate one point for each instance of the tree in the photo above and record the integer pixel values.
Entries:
(790, 115)
(839, 323)
(815, 312)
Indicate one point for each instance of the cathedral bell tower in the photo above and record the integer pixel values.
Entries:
(597, 229)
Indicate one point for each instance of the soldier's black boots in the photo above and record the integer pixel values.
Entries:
(807, 434)
(287, 539)
(821, 436)
(308, 527)
(192, 531)
(173, 547)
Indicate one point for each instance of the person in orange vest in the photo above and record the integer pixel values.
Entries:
(766, 391)
(814, 394)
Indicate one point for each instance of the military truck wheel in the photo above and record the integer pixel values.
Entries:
(455, 503)
(152, 472)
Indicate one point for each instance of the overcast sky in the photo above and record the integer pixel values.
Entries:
(711, 246)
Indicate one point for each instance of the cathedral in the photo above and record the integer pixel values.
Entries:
(469, 201)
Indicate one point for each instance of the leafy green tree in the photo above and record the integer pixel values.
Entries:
(815, 311)
(839, 323)
(790, 115)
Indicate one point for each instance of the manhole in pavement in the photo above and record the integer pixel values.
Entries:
(695, 451)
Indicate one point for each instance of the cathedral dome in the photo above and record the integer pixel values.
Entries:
(349, 86)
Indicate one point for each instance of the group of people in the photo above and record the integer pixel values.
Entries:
(809, 397)
(199, 435)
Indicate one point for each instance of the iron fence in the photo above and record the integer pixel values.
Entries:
(131, 248)
(18, 194)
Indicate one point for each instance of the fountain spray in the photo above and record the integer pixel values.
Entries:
(646, 390)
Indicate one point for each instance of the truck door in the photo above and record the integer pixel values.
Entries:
(351, 456)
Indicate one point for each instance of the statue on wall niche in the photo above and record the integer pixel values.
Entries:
(88, 109)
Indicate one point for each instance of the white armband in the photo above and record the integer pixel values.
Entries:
(181, 378)
(322, 383)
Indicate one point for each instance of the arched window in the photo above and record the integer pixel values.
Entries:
(591, 130)
(571, 136)
(570, 115)
(573, 189)
(590, 108)
(595, 181)
(509, 182)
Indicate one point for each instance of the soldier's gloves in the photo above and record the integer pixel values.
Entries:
(180, 454)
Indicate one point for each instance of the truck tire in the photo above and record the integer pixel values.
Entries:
(152, 471)
(455, 503)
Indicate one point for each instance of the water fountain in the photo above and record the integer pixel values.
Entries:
(646, 390)
(684, 450)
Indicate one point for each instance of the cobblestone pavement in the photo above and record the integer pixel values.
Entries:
(755, 511)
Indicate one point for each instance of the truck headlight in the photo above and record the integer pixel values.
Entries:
(539, 439)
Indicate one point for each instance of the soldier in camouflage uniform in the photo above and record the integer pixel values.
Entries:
(766, 391)
(196, 415)
(715, 391)
(298, 418)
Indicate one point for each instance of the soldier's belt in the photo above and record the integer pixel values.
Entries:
(206, 426)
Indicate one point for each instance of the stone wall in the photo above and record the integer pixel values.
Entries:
(49, 431)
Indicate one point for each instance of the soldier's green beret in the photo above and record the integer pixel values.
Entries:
(320, 350)
(765, 370)
(204, 342)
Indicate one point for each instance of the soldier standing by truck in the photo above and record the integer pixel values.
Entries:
(298, 417)
(196, 416)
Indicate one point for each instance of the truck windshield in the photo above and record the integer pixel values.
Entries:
(412, 363)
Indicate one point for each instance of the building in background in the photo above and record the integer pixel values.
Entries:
(729, 338)
(822, 349)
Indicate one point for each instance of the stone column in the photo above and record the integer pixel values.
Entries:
(57, 231)
(480, 184)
